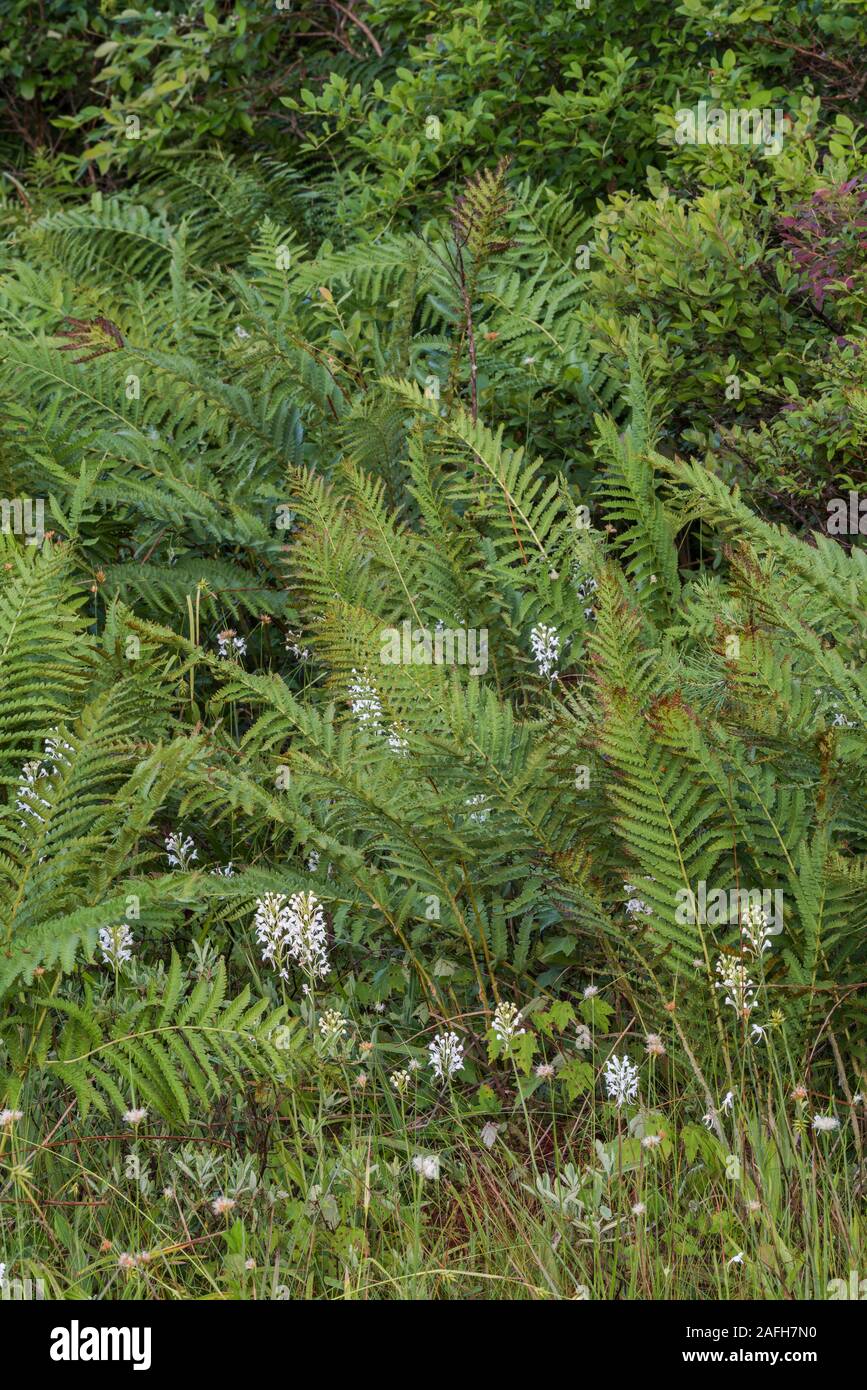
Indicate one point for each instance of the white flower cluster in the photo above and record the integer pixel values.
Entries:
(427, 1166)
(365, 702)
(180, 852)
(825, 1124)
(506, 1020)
(478, 817)
(299, 652)
(230, 644)
(840, 721)
(734, 979)
(446, 1055)
(116, 944)
(292, 931)
(29, 801)
(739, 989)
(56, 752)
(367, 707)
(271, 927)
(636, 906)
(332, 1025)
(728, 1103)
(755, 931)
(587, 587)
(621, 1080)
(306, 934)
(54, 758)
(828, 704)
(545, 642)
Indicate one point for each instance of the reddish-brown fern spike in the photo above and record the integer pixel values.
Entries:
(94, 336)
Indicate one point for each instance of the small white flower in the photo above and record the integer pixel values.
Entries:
(396, 741)
(401, 1080)
(825, 1124)
(34, 772)
(428, 1165)
(841, 722)
(478, 817)
(249, 1264)
(10, 1117)
(584, 589)
(755, 931)
(728, 1102)
(379, 1007)
(734, 980)
(365, 702)
(489, 1134)
(545, 642)
(180, 852)
(134, 1117)
(446, 1055)
(737, 1259)
(639, 1209)
(293, 930)
(591, 991)
(651, 1141)
(29, 801)
(116, 944)
(583, 1038)
(621, 1080)
(271, 923)
(230, 644)
(635, 906)
(306, 934)
(654, 1046)
(332, 1026)
(221, 1206)
(506, 1020)
(544, 1071)
(126, 1261)
(227, 871)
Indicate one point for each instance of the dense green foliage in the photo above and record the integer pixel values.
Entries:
(321, 321)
